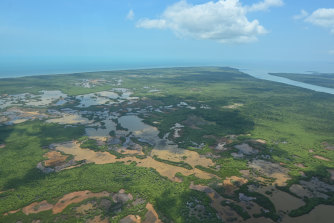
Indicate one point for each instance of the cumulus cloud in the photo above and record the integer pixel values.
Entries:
(323, 17)
(303, 14)
(130, 15)
(223, 21)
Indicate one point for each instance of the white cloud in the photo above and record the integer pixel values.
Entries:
(265, 5)
(224, 20)
(303, 14)
(130, 15)
(323, 17)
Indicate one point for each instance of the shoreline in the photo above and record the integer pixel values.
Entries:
(261, 75)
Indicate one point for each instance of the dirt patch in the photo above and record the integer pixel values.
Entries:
(37, 207)
(170, 170)
(75, 197)
(190, 157)
(262, 141)
(272, 170)
(2, 146)
(177, 180)
(136, 151)
(233, 106)
(151, 216)
(12, 212)
(91, 156)
(56, 162)
(131, 219)
(28, 113)
(300, 165)
(232, 183)
(321, 158)
(54, 159)
(82, 209)
(66, 200)
(70, 119)
(80, 154)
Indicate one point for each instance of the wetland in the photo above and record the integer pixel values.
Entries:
(197, 144)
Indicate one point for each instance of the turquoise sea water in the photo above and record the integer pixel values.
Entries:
(18, 67)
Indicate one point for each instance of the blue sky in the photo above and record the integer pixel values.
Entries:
(167, 32)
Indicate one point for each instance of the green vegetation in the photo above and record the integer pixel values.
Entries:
(199, 123)
(180, 164)
(112, 133)
(229, 167)
(243, 213)
(24, 150)
(120, 127)
(90, 144)
(205, 169)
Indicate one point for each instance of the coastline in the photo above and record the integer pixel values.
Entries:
(262, 75)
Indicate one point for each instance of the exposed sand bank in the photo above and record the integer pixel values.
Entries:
(73, 148)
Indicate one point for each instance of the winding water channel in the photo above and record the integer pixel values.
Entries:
(283, 80)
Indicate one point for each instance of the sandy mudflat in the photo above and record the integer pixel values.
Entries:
(164, 169)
